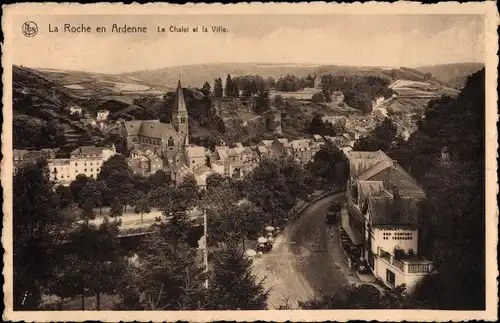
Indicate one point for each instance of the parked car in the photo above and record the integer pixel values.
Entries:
(331, 218)
(355, 251)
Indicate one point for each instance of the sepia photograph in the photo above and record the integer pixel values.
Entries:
(207, 159)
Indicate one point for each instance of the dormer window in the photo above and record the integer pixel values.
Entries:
(183, 119)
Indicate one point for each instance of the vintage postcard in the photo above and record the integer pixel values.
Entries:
(244, 162)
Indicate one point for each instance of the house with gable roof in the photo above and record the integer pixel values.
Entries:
(383, 218)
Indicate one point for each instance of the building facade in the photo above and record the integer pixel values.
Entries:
(383, 218)
(86, 160)
(102, 115)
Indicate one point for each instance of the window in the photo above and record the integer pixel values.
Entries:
(85, 170)
(76, 164)
(170, 142)
(183, 119)
(390, 278)
(193, 162)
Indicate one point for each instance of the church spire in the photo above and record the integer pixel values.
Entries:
(179, 104)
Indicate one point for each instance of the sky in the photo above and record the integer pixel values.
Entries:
(356, 40)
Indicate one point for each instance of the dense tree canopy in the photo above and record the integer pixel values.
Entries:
(232, 285)
(383, 137)
(455, 216)
(36, 215)
(329, 167)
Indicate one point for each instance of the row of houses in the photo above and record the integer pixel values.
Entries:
(101, 115)
(85, 160)
(383, 216)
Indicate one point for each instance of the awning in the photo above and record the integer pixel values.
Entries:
(352, 234)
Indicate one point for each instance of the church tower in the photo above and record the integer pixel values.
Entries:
(180, 116)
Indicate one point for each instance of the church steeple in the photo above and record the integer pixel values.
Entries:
(180, 115)
(179, 104)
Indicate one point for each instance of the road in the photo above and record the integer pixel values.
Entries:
(132, 220)
(306, 260)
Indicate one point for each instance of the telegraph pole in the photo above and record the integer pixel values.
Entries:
(206, 245)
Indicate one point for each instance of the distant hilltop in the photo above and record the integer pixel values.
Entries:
(452, 75)
(195, 75)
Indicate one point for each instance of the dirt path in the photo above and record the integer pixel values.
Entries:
(300, 265)
(282, 276)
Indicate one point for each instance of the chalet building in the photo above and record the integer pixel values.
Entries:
(383, 218)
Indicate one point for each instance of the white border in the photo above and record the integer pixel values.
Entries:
(491, 21)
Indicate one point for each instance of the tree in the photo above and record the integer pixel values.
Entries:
(385, 133)
(214, 180)
(360, 297)
(328, 95)
(94, 263)
(318, 97)
(118, 177)
(64, 196)
(35, 219)
(232, 285)
(206, 90)
(383, 137)
(164, 277)
(159, 178)
(142, 205)
(116, 208)
(91, 197)
(218, 89)
(453, 219)
(77, 185)
(366, 143)
(229, 89)
(278, 102)
(330, 166)
(267, 188)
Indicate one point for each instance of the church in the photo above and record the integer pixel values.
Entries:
(167, 140)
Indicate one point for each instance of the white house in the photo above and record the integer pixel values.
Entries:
(85, 160)
(392, 231)
(384, 218)
(102, 115)
(75, 110)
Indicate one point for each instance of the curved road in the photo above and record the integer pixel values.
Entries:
(306, 260)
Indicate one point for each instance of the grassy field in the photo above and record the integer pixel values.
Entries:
(305, 94)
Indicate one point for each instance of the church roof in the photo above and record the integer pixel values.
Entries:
(149, 128)
(179, 103)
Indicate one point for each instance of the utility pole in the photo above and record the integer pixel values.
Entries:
(205, 225)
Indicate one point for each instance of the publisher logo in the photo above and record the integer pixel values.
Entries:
(30, 29)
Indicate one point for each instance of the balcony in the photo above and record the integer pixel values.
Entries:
(408, 265)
